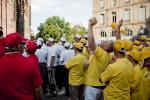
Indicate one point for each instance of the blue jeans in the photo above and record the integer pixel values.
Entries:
(92, 93)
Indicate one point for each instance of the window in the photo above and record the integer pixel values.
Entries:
(127, 15)
(103, 34)
(113, 3)
(102, 19)
(101, 3)
(126, 1)
(114, 19)
(142, 13)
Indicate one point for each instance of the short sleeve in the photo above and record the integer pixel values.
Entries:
(72, 62)
(107, 74)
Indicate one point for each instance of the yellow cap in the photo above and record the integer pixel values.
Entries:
(135, 54)
(145, 53)
(136, 42)
(143, 37)
(114, 25)
(128, 45)
(123, 32)
(119, 45)
(83, 41)
(148, 43)
(148, 39)
(79, 46)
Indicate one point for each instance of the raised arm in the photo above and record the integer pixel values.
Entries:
(91, 40)
(118, 36)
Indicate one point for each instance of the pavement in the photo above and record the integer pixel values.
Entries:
(62, 97)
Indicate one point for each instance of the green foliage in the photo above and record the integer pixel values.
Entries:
(57, 27)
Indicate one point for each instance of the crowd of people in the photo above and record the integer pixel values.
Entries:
(118, 70)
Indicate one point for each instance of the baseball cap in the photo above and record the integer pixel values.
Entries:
(13, 40)
(40, 39)
(51, 39)
(67, 44)
(31, 46)
(78, 36)
(39, 43)
(63, 39)
(119, 45)
(79, 46)
(145, 53)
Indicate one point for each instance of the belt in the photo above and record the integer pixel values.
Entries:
(99, 87)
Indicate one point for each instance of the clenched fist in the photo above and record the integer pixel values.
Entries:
(92, 21)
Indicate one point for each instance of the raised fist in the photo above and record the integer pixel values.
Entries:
(120, 23)
(92, 21)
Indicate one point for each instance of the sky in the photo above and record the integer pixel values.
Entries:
(74, 11)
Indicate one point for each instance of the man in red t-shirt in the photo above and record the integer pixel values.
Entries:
(19, 76)
(31, 47)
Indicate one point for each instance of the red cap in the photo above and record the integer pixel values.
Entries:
(24, 40)
(31, 46)
(13, 39)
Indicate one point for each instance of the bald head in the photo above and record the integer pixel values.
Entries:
(107, 46)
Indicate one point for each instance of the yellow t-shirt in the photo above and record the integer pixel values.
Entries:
(97, 64)
(144, 91)
(136, 80)
(85, 53)
(119, 76)
(76, 66)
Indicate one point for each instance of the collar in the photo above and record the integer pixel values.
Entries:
(12, 53)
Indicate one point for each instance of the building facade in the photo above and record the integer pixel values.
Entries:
(15, 15)
(135, 13)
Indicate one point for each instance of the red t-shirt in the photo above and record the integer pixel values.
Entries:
(34, 58)
(19, 76)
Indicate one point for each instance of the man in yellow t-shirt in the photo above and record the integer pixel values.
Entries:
(118, 76)
(144, 90)
(99, 59)
(76, 66)
(134, 57)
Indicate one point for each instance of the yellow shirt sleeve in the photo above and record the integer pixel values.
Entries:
(107, 74)
(72, 62)
(137, 75)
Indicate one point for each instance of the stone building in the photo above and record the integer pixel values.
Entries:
(15, 15)
(135, 13)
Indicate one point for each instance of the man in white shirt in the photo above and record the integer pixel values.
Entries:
(42, 55)
(65, 56)
(58, 49)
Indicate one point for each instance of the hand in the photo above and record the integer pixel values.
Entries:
(120, 23)
(92, 21)
(113, 60)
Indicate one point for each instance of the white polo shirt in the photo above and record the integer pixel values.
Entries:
(66, 55)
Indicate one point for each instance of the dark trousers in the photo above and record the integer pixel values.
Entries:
(59, 76)
(76, 92)
(44, 74)
(66, 81)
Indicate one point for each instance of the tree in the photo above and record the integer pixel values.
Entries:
(57, 27)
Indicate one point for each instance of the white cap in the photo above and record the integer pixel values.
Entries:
(51, 39)
(85, 36)
(63, 39)
(40, 39)
(67, 44)
(71, 46)
(78, 36)
(39, 43)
